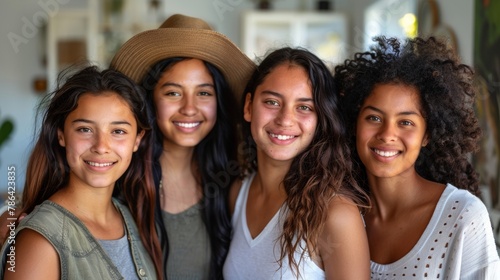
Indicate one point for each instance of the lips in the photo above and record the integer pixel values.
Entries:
(97, 164)
(385, 153)
(187, 124)
(281, 137)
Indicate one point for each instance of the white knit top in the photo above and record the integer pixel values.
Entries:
(458, 243)
(257, 258)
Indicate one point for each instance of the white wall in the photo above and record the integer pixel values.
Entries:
(20, 63)
(21, 49)
(224, 15)
(460, 16)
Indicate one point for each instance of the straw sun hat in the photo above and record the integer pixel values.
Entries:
(184, 36)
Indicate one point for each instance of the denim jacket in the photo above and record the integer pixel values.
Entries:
(80, 254)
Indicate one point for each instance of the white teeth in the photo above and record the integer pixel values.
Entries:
(99, 164)
(281, 137)
(188, 125)
(385, 154)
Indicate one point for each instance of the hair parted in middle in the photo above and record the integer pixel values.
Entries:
(214, 155)
(323, 170)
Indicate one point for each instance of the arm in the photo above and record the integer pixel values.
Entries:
(35, 258)
(343, 245)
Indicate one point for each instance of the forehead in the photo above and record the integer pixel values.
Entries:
(287, 74)
(103, 105)
(392, 94)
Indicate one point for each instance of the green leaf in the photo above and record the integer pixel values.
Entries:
(5, 130)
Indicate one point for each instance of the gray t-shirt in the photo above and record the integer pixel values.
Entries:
(189, 244)
(119, 252)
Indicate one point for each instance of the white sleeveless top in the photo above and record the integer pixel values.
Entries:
(257, 258)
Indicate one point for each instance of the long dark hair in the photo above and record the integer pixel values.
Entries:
(447, 96)
(214, 158)
(323, 170)
(48, 169)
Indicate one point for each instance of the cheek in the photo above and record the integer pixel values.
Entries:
(74, 150)
(309, 125)
(210, 110)
(417, 141)
(125, 149)
(163, 111)
(362, 136)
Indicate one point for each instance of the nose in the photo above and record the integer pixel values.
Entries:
(188, 107)
(101, 143)
(285, 117)
(387, 133)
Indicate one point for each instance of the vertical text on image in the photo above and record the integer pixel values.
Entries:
(11, 217)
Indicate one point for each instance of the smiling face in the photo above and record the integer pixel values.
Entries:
(390, 130)
(282, 115)
(100, 136)
(186, 103)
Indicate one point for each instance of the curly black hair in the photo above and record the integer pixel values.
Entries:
(447, 98)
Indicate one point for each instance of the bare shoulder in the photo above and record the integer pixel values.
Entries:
(233, 194)
(36, 258)
(343, 245)
(343, 218)
(343, 211)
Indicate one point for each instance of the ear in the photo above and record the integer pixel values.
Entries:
(247, 109)
(60, 138)
(425, 141)
(138, 139)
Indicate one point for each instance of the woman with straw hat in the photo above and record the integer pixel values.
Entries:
(193, 77)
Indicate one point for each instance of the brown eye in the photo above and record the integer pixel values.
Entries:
(205, 93)
(373, 118)
(305, 108)
(119, 131)
(84, 129)
(272, 102)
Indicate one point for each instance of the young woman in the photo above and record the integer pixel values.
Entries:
(411, 110)
(89, 187)
(296, 215)
(193, 77)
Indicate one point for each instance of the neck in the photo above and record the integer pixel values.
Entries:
(178, 159)
(180, 187)
(270, 175)
(397, 195)
(88, 204)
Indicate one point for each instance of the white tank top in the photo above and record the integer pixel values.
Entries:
(257, 258)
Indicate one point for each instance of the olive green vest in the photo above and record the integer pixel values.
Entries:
(80, 254)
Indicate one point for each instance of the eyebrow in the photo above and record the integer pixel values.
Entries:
(404, 113)
(279, 95)
(92, 122)
(166, 84)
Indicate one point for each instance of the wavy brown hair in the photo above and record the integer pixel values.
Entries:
(447, 97)
(48, 169)
(323, 170)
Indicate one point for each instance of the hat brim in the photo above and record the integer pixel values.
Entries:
(143, 50)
